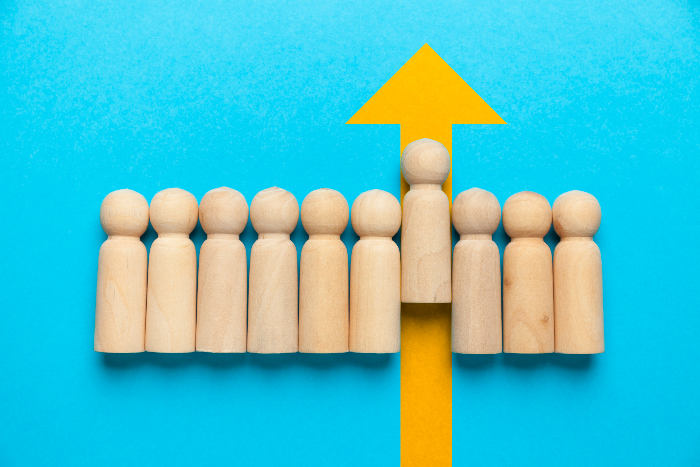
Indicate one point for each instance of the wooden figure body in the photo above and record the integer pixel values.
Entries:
(223, 284)
(476, 275)
(171, 312)
(528, 309)
(323, 281)
(375, 274)
(578, 276)
(426, 243)
(273, 322)
(120, 311)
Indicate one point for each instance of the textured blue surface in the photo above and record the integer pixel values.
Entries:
(101, 95)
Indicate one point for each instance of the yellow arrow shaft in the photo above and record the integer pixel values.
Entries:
(426, 356)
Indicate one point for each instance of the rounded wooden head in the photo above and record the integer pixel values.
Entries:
(223, 210)
(124, 212)
(324, 212)
(274, 210)
(425, 162)
(527, 214)
(476, 211)
(576, 214)
(174, 211)
(376, 213)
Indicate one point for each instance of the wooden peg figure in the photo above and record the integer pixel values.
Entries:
(476, 275)
(528, 309)
(223, 283)
(375, 274)
(578, 276)
(120, 311)
(273, 322)
(171, 311)
(426, 243)
(323, 281)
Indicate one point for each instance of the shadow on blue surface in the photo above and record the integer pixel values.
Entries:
(525, 361)
(233, 360)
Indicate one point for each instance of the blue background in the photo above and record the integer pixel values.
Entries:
(100, 95)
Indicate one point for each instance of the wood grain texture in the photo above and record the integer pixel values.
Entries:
(426, 244)
(223, 283)
(476, 275)
(528, 308)
(323, 281)
(273, 324)
(375, 275)
(578, 276)
(171, 312)
(120, 310)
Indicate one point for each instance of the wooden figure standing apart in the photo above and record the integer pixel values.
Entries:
(223, 283)
(528, 308)
(120, 311)
(375, 274)
(323, 281)
(578, 276)
(273, 322)
(171, 312)
(476, 275)
(426, 243)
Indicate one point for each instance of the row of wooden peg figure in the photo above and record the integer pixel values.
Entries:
(160, 305)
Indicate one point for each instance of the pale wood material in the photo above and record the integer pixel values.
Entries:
(273, 323)
(476, 275)
(171, 313)
(426, 243)
(323, 281)
(578, 276)
(528, 309)
(375, 274)
(120, 311)
(223, 284)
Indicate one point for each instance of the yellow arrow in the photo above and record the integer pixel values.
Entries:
(426, 97)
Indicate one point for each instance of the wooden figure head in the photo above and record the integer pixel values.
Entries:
(527, 214)
(274, 210)
(425, 162)
(376, 213)
(174, 211)
(476, 212)
(223, 210)
(124, 212)
(576, 214)
(324, 212)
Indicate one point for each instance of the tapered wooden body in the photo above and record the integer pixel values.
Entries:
(476, 296)
(273, 302)
(426, 244)
(323, 296)
(528, 297)
(171, 310)
(528, 308)
(578, 297)
(171, 319)
(323, 270)
(375, 296)
(578, 275)
(120, 317)
(120, 311)
(273, 320)
(222, 295)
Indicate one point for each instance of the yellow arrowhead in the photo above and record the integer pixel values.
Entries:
(426, 89)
